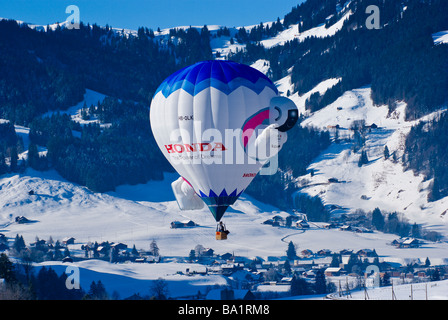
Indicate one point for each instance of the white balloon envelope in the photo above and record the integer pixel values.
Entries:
(218, 122)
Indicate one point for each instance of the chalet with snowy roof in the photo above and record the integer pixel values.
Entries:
(302, 224)
(67, 259)
(406, 243)
(324, 252)
(38, 243)
(330, 225)
(411, 243)
(366, 253)
(183, 224)
(362, 230)
(119, 246)
(22, 219)
(306, 253)
(68, 240)
(333, 271)
(227, 256)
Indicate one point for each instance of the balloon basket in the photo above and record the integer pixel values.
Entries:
(221, 235)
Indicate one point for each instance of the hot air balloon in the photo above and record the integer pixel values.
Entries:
(218, 122)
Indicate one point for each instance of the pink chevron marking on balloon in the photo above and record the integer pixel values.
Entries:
(253, 122)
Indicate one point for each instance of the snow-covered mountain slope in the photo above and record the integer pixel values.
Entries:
(90, 98)
(381, 183)
(440, 37)
(224, 46)
(292, 32)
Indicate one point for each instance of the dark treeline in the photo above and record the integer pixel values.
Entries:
(10, 146)
(55, 67)
(426, 152)
(123, 152)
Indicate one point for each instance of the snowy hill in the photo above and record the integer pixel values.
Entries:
(138, 214)
(382, 182)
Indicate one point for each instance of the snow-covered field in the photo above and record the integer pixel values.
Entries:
(437, 290)
(138, 278)
(142, 213)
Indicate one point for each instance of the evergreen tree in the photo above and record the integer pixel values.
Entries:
(291, 252)
(335, 260)
(33, 156)
(299, 286)
(3, 166)
(435, 275)
(6, 269)
(192, 255)
(320, 286)
(416, 232)
(159, 289)
(378, 219)
(19, 243)
(385, 280)
(14, 159)
(57, 254)
(287, 267)
(154, 249)
(97, 291)
(113, 255)
(134, 251)
(363, 159)
(386, 152)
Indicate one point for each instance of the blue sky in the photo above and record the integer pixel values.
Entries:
(150, 13)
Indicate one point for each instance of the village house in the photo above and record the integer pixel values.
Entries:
(306, 253)
(345, 228)
(333, 271)
(324, 252)
(366, 253)
(406, 243)
(119, 246)
(68, 240)
(362, 230)
(331, 225)
(183, 224)
(302, 224)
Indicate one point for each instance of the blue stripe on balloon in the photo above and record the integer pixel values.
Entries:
(194, 89)
(225, 76)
